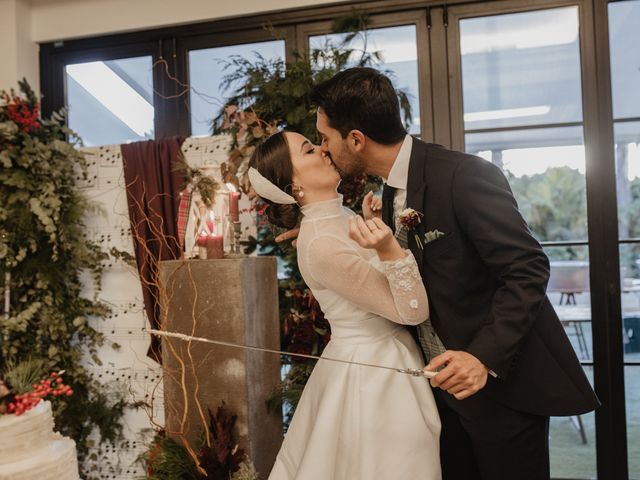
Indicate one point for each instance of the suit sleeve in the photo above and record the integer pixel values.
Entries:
(488, 214)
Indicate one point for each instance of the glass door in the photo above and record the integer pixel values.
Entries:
(624, 38)
(516, 93)
(524, 85)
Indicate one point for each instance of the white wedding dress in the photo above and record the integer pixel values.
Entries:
(356, 422)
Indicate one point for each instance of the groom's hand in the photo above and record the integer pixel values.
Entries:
(289, 235)
(463, 374)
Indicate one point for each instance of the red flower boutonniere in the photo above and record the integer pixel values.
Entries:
(408, 220)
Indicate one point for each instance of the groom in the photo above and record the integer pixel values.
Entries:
(505, 363)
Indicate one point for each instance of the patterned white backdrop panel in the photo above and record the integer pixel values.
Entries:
(128, 369)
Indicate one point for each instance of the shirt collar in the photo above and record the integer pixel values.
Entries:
(399, 174)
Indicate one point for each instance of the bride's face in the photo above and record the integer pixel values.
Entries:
(312, 170)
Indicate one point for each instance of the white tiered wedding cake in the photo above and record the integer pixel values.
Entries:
(30, 450)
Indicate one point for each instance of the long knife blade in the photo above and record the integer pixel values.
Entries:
(415, 372)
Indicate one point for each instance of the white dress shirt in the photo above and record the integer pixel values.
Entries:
(399, 175)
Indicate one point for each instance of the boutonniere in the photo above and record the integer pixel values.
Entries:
(408, 220)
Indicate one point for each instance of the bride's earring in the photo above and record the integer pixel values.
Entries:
(298, 191)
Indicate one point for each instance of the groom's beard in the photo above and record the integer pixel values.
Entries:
(349, 166)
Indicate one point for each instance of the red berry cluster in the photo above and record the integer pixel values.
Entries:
(53, 386)
(18, 111)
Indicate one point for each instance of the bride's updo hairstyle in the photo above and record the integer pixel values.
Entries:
(273, 160)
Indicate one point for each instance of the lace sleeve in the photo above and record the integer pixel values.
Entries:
(391, 289)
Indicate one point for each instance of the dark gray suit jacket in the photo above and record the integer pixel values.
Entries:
(486, 278)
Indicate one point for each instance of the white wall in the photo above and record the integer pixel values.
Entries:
(18, 51)
(7, 43)
(25, 23)
(64, 19)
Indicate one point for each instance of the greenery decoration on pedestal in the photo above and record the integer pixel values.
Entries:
(43, 252)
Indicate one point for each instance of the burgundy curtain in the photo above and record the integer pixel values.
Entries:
(153, 197)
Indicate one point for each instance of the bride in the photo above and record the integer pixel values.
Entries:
(352, 422)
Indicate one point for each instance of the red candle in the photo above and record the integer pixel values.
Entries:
(234, 211)
(215, 247)
(201, 239)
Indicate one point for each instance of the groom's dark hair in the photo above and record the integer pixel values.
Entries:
(361, 99)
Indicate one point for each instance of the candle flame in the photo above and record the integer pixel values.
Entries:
(232, 187)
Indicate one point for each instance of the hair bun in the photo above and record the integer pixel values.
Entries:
(284, 216)
(272, 159)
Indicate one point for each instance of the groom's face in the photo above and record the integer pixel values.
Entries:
(345, 158)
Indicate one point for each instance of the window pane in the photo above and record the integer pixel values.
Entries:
(398, 47)
(632, 387)
(206, 71)
(627, 138)
(546, 170)
(569, 293)
(111, 101)
(630, 285)
(521, 69)
(624, 38)
(571, 457)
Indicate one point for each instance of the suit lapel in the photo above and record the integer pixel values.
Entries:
(416, 189)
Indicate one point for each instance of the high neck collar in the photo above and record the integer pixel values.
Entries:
(325, 208)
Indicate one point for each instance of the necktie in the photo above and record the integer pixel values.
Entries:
(388, 213)
(388, 193)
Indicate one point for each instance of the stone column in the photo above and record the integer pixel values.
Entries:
(233, 300)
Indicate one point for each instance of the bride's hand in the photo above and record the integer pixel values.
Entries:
(375, 234)
(371, 206)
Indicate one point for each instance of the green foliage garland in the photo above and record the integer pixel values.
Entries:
(42, 255)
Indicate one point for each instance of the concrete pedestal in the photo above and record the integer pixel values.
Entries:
(233, 300)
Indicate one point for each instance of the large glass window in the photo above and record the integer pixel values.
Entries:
(546, 169)
(521, 69)
(624, 38)
(111, 101)
(398, 51)
(206, 72)
(522, 107)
